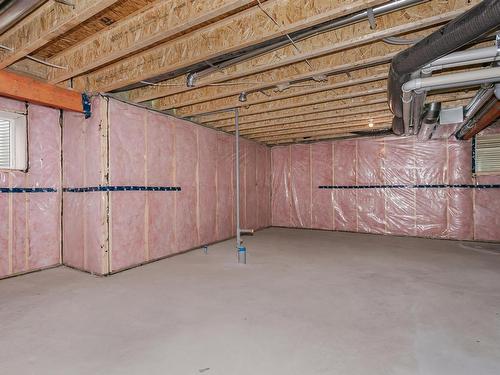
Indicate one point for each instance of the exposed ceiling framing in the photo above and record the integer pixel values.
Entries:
(331, 84)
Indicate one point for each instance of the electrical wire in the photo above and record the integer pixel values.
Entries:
(287, 35)
(35, 59)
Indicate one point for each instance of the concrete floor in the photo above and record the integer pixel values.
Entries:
(308, 302)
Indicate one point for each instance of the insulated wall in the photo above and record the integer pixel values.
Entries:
(141, 185)
(389, 185)
(30, 213)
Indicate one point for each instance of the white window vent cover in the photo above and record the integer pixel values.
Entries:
(488, 154)
(5, 144)
(13, 141)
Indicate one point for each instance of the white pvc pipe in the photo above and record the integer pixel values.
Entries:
(489, 75)
(469, 57)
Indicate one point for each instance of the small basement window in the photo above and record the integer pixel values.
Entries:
(13, 141)
(487, 154)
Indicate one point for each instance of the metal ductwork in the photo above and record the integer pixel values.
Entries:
(473, 24)
(488, 114)
(429, 121)
(11, 11)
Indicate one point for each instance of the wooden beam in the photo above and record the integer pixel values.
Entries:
(352, 101)
(329, 66)
(349, 92)
(28, 89)
(242, 30)
(304, 135)
(339, 116)
(159, 22)
(304, 89)
(321, 45)
(387, 25)
(45, 24)
(312, 139)
(320, 124)
(248, 117)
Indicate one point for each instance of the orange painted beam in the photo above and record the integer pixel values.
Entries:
(27, 89)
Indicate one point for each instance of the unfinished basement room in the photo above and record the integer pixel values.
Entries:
(250, 187)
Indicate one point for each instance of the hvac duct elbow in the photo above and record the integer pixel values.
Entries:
(471, 25)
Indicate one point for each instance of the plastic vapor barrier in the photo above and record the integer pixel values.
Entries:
(390, 185)
(170, 186)
(30, 212)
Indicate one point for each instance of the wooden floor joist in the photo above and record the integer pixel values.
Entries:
(336, 118)
(30, 90)
(302, 136)
(356, 100)
(327, 85)
(45, 24)
(233, 33)
(159, 22)
(318, 124)
(321, 45)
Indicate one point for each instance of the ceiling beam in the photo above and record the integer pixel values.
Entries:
(242, 30)
(158, 22)
(323, 66)
(353, 100)
(333, 116)
(378, 87)
(247, 117)
(30, 90)
(317, 124)
(311, 48)
(331, 131)
(44, 25)
(266, 97)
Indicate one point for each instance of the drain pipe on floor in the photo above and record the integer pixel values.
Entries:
(242, 251)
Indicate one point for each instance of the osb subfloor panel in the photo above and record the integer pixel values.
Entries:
(308, 302)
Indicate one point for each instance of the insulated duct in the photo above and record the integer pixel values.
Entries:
(430, 120)
(11, 11)
(471, 25)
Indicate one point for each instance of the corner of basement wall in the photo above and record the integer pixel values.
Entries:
(85, 203)
(140, 158)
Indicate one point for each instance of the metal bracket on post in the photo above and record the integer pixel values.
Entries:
(371, 18)
(87, 107)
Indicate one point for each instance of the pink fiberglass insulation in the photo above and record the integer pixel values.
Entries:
(322, 174)
(178, 153)
(251, 207)
(225, 186)
(300, 174)
(186, 157)
(390, 185)
(281, 201)
(31, 238)
(160, 165)
(149, 152)
(84, 237)
(263, 182)
(207, 179)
